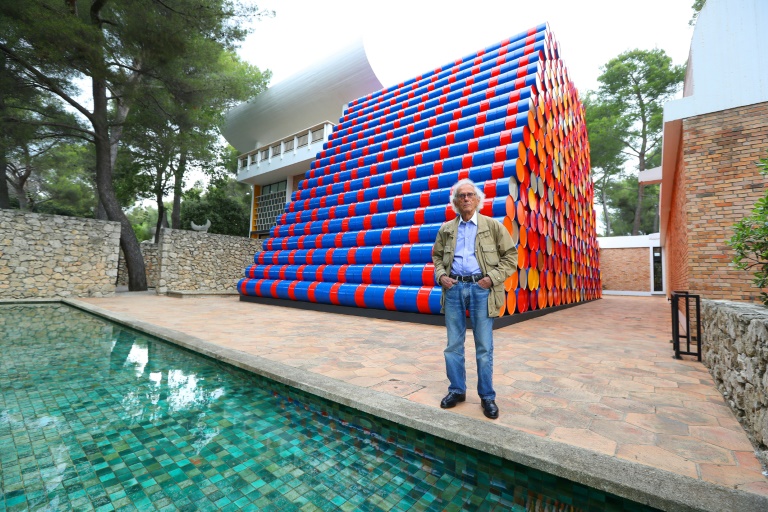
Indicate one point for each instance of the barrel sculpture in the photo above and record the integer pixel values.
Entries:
(359, 230)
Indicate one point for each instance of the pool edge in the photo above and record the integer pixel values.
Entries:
(637, 482)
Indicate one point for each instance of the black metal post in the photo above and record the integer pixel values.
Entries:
(689, 338)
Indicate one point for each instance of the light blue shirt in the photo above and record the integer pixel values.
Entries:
(464, 261)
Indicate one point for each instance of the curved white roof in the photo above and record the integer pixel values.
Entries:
(308, 98)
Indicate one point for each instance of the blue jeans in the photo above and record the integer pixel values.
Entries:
(459, 298)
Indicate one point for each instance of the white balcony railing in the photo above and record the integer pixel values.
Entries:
(271, 156)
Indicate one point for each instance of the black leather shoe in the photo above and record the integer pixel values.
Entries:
(451, 399)
(489, 408)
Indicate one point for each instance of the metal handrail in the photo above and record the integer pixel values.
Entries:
(677, 336)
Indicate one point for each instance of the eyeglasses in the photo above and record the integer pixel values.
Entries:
(468, 195)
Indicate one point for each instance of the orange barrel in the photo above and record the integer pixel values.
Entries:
(511, 301)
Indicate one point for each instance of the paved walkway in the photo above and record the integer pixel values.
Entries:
(599, 376)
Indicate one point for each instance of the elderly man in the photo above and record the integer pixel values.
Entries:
(473, 256)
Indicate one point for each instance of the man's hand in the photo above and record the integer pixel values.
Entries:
(485, 283)
(446, 282)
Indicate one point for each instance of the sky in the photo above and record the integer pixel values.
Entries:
(405, 38)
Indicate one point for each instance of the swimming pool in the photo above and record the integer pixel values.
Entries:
(94, 415)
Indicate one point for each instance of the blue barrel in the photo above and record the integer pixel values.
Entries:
(405, 298)
(373, 237)
(323, 293)
(264, 288)
(346, 294)
(356, 224)
(380, 274)
(282, 289)
(340, 256)
(301, 289)
(399, 235)
(349, 239)
(331, 274)
(354, 274)
(434, 214)
(318, 257)
(390, 254)
(364, 255)
(374, 296)
(411, 273)
(406, 218)
(428, 233)
(421, 253)
(379, 220)
(434, 300)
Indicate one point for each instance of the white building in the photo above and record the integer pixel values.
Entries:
(279, 132)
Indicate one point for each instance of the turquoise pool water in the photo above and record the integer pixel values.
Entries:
(97, 416)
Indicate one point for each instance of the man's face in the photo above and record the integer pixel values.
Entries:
(467, 201)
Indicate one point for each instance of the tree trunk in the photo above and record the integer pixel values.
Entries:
(605, 211)
(160, 206)
(160, 216)
(101, 213)
(178, 180)
(5, 199)
(137, 276)
(638, 210)
(20, 195)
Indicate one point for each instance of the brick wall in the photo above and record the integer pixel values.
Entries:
(626, 270)
(676, 244)
(722, 183)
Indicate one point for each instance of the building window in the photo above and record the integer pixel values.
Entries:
(658, 272)
(317, 135)
(271, 203)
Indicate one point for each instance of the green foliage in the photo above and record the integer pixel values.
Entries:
(142, 219)
(65, 182)
(750, 241)
(131, 52)
(697, 6)
(606, 151)
(622, 203)
(635, 85)
(624, 121)
(226, 204)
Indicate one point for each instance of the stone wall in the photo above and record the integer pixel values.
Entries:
(735, 349)
(51, 256)
(149, 252)
(195, 261)
(626, 269)
(722, 182)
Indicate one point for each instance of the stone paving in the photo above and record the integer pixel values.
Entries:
(599, 376)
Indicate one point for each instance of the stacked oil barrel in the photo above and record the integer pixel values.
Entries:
(359, 230)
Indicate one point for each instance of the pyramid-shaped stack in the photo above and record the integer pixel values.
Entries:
(359, 230)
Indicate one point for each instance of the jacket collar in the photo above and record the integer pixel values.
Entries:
(480, 219)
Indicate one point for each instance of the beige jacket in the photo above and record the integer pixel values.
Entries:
(495, 252)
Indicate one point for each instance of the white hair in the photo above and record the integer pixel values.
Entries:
(455, 191)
